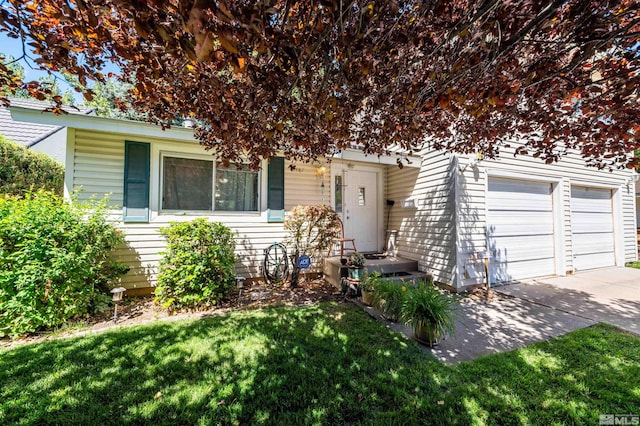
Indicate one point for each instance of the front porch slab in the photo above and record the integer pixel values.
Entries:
(392, 267)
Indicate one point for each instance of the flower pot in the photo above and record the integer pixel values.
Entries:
(356, 273)
(428, 335)
(367, 297)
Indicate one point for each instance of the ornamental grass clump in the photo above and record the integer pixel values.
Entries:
(429, 311)
(387, 296)
(198, 267)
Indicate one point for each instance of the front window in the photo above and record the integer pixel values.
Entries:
(187, 184)
(198, 185)
(236, 189)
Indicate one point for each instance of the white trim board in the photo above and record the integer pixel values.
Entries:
(143, 129)
(102, 124)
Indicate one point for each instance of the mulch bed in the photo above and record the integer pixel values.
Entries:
(483, 296)
(142, 310)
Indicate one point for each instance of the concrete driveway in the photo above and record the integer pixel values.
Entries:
(501, 325)
(538, 310)
(610, 295)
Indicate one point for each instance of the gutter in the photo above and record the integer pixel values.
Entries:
(54, 131)
(101, 124)
(140, 128)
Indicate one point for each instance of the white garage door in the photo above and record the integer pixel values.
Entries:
(592, 228)
(520, 229)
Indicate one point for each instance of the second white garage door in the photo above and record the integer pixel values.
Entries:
(520, 229)
(592, 228)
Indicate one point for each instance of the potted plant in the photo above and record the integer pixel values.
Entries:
(429, 311)
(356, 265)
(368, 286)
(387, 296)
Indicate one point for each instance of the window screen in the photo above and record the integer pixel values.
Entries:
(187, 184)
(236, 189)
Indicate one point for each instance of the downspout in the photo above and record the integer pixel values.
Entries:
(457, 282)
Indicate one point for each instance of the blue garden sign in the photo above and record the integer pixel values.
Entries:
(304, 261)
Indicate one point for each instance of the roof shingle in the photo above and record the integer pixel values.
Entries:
(27, 134)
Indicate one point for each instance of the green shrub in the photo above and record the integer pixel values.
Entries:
(22, 170)
(198, 268)
(54, 260)
(311, 230)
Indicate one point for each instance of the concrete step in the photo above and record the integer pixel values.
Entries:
(395, 267)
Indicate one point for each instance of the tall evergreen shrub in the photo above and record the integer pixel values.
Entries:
(22, 170)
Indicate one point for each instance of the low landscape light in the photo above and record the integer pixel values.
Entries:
(116, 295)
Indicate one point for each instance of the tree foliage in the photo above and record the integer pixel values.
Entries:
(312, 77)
(48, 85)
(17, 75)
(109, 98)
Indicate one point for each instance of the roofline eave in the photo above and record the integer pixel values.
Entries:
(139, 128)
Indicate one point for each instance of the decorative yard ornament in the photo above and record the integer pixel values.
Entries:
(304, 262)
(275, 266)
(309, 78)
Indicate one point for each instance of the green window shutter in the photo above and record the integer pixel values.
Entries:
(136, 182)
(275, 193)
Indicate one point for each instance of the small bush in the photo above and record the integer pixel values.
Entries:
(54, 260)
(22, 170)
(198, 268)
(311, 231)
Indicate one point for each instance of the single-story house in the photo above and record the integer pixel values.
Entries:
(47, 138)
(450, 211)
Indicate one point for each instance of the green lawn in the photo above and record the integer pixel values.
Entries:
(321, 364)
(633, 265)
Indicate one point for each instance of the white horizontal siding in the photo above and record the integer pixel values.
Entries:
(571, 170)
(98, 166)
(98, 171)
(426, 233)
(303, 184)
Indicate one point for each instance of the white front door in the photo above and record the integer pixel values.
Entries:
(360, 214)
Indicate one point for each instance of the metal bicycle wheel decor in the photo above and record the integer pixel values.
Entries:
(275, 266)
